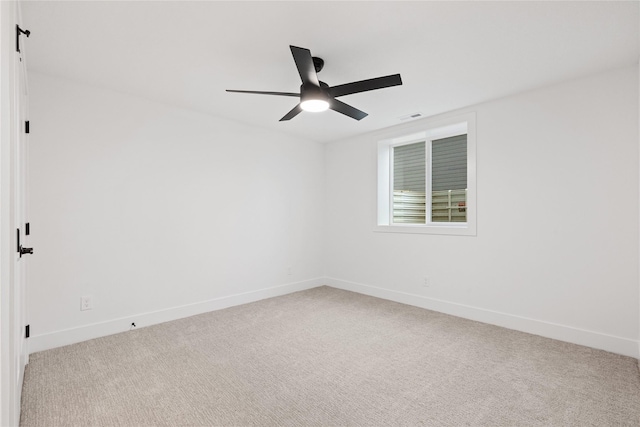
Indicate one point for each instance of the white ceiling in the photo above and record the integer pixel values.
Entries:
(450, 54)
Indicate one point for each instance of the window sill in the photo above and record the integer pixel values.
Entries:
(448, 229)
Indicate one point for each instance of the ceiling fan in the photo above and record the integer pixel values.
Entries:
(318, 96)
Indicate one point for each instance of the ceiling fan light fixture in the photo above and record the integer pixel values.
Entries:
(313, 98)
(314, 105)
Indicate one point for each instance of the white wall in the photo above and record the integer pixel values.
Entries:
(147, 207)
(556, 251)
(159, 213)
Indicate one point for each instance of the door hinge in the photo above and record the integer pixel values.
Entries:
(19, 32)
(26, 331)
(26, 126)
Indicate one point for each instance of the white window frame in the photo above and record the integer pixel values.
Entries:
(426, 130)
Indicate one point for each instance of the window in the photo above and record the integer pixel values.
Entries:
(426, 179)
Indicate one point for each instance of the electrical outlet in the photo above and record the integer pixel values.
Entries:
(426, 282)
(289, 269)
(86, 303)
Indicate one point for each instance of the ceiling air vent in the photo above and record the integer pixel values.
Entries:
(411, 117)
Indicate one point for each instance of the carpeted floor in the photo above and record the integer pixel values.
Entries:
(326, 357)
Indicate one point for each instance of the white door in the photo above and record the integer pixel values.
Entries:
(13, 210)
(21, 254)
(22, 218)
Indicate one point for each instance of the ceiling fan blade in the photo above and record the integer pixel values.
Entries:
(365, 85)
(346, 109)
(291, 114)
(265, 93)
(304, 62)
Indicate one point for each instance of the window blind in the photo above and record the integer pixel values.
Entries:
(409, 183)
(449, 163)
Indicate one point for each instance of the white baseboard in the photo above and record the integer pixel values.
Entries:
(110, 327)
(614, 344)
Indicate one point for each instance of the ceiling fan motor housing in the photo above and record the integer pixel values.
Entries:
(311, 92)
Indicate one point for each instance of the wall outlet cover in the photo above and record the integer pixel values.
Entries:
(86, 303)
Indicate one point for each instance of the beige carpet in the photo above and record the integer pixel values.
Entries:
(326, 357)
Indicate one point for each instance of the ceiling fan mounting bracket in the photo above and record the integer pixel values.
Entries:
(318, 63)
